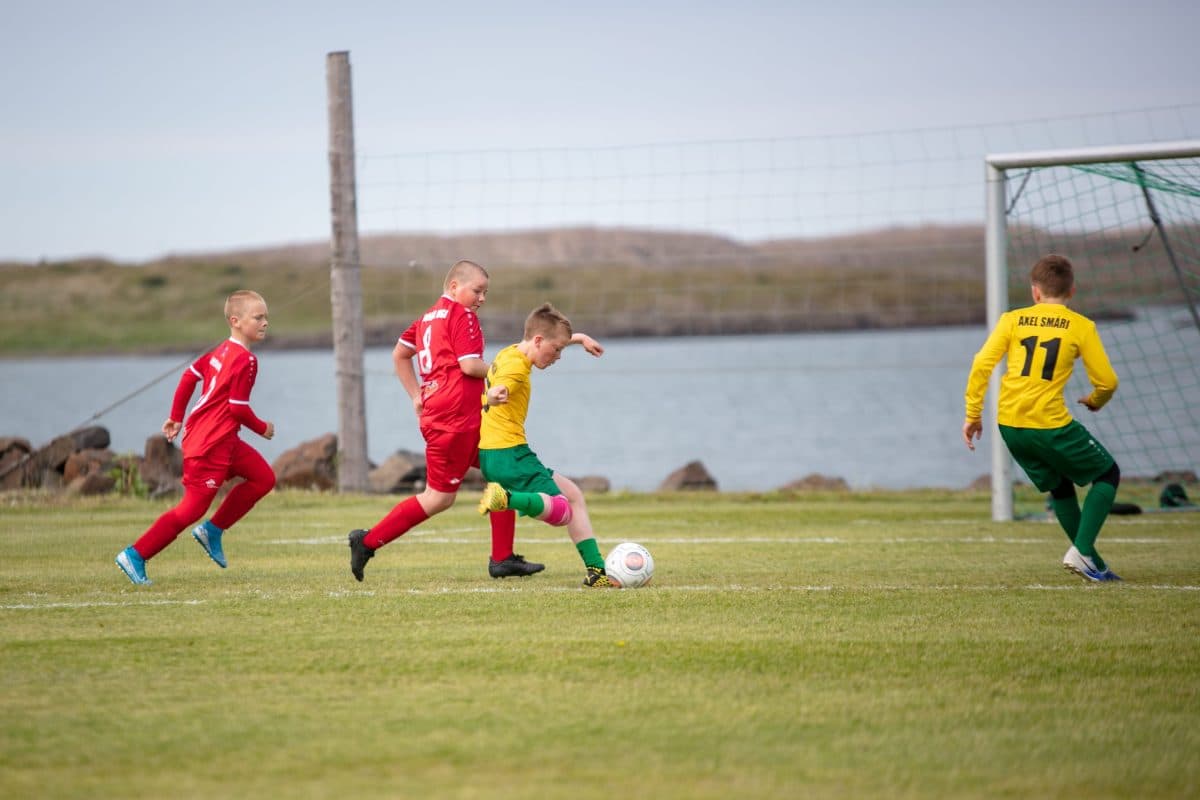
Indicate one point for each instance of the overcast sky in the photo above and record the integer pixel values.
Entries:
(135, 129)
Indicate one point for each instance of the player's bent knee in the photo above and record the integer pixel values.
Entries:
(558, 511)
(435, 502)
(568, 487)
(1113, 476)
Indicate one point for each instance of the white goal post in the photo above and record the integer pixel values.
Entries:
(998, 168)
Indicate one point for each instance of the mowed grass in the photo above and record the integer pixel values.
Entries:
(863, 645)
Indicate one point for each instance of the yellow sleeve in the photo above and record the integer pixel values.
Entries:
(1099, 369)
(506, 370)
(994, 349)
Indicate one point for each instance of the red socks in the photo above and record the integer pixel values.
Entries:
(172, 523)
(405, 516)
(504, 530)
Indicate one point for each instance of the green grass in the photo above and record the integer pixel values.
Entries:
(826, 645)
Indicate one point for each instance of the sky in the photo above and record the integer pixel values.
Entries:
(132, 130)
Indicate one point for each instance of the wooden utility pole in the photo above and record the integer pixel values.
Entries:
(345, 284)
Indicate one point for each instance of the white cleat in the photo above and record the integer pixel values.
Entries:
(1084, 567)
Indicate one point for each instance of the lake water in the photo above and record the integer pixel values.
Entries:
(877, 408)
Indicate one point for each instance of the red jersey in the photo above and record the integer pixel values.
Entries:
(226, 374)
(442, 337)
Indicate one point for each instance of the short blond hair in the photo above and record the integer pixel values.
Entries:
(546, 320)
(461, 270)
(235, 304)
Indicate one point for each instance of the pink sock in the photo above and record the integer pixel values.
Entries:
(558, 511)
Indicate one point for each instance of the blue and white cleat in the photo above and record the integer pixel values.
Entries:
(1109, 575)
(210, 540)
(133, 566)
(1084, 567)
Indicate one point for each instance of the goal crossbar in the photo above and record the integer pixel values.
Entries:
(996, 255)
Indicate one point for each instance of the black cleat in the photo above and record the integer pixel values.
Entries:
(360, 554)
(513, 566)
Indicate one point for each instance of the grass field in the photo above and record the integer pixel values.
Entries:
(825, 645)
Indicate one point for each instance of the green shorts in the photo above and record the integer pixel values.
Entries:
(518, 470)
(1050, 454)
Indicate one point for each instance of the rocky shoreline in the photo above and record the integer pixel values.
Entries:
(81, 463)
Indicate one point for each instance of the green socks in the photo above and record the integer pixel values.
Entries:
(589, 551)
(1066, 510)
(529, 504)
(1096, 506)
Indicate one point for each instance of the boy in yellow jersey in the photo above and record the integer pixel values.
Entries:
(516, 478)
(1042, 342)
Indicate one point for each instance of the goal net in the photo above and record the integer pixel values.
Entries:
(1129, 219)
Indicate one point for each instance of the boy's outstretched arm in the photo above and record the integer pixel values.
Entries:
(589, 344)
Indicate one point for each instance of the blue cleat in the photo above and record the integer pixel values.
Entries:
(1109, 575)
(133, 566)
(210, 540)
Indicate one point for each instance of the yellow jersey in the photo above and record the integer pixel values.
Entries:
(504, 425)
(1041, 342)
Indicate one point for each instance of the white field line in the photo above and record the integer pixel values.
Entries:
(440, 537)
(98, 604)
(520, 590)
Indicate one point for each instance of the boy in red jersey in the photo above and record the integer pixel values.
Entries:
(1041, 343)
(212, 450)
(446, 390)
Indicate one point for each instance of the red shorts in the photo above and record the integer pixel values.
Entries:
(448, 456)
(226, 459)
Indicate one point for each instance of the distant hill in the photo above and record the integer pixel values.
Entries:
(647, 249)
(551, 247)
(611, 281)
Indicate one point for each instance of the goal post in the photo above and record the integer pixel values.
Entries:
(1129, 217)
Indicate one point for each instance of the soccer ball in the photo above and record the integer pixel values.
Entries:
(629, 565)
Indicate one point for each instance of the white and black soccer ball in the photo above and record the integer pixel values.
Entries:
(629, 565)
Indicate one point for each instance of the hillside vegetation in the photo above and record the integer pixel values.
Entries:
(616, 282)
(611, 282)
